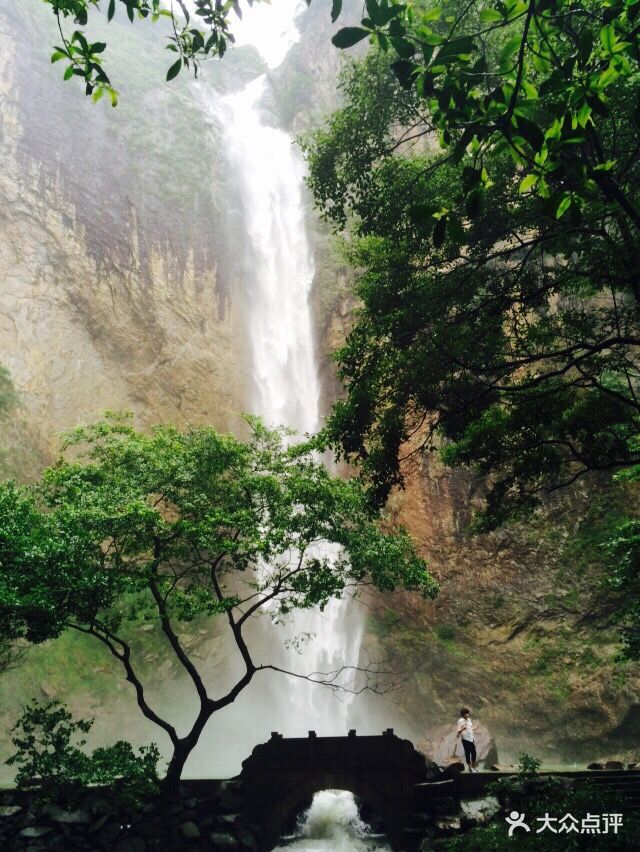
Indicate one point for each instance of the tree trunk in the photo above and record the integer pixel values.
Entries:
(170, 785)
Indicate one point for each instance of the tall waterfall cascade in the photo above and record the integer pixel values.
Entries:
(279, 273)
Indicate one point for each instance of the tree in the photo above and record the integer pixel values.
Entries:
(486, 164)
(179, 524)
(622, 548)
(192, 40)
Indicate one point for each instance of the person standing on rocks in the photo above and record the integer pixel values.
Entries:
(466, 730)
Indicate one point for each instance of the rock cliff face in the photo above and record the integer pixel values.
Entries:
(117, 285)
(521, 630)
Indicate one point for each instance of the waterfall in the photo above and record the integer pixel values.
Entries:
(278, 266)
(278, 273)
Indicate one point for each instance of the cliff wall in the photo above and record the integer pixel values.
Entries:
(117, 281)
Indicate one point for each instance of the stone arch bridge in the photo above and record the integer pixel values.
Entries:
(281, 776)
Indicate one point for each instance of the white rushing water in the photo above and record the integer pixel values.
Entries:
(279, 271)
(333, 824)
(279, 266)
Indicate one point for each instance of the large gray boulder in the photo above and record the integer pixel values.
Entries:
(443, 746)
(479, 811)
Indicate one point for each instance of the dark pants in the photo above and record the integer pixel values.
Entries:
(469, 751)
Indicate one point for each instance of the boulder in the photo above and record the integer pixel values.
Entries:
(228, 797)
(189, 830)
(47, 690)
(105, 836)
(442, 744)
(633, 766)
(79, 817)
(479, 811)
(454, 768)
(221, 840)
(614, 765)
(34, 831)
(448, 825)
(9, 810)
(595, 766)
(248, 840)
(99, 823)
(445, 805)
(130, 844)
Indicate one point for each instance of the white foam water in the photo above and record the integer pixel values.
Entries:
(333, 824)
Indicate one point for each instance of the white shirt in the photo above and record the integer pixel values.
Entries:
(466, 726)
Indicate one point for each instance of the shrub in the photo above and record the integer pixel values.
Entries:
(51, 759)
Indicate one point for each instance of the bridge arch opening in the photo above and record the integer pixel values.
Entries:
(336, 808)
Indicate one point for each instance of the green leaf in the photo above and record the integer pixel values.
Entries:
(68, 74)
(527, 183)
(608, 38)
(403, 47)
(490, 16)
(112, 9)
(457, 47)
(564, 205)
(608, 76)
(376, 14)
(403, 69)
(57, 55)
(584, 115)
(348, 36)
(530, 131)
(175, 69)
(512, 45)
(598, 105)
(473, 203)
(98, 47)
(336, 9)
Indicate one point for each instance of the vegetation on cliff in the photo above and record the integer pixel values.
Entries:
(485, 165)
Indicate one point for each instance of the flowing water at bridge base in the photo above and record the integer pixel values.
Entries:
(333, 824)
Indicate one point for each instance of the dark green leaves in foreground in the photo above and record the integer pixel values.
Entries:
(198, 32)
(499, 322)
(50, 751)
(530, 77)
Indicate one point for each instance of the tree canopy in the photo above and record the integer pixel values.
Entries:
(174, 525)
(485, 164)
